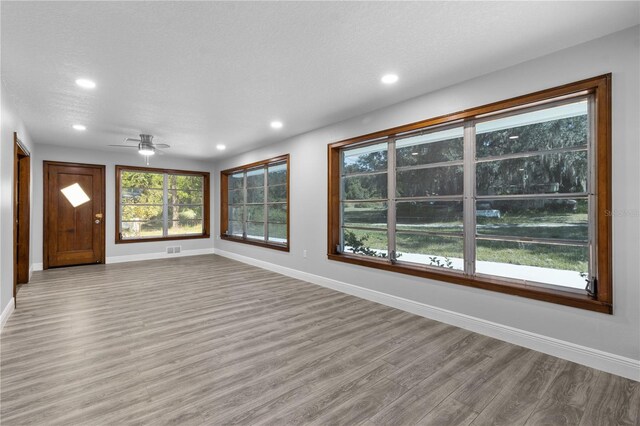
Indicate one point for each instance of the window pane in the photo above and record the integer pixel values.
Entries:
(236, 196)
(277, 174)
(365, 187)
(369, 158)
(431, 250)
(565, 266)
(277, 213)
(255, 195)
(434, 216)
(255, 230)
(236, 181)
(365, 214)
(565, 219)
(540, 174)
(278, 232)
(436, 147)
(129, 179)
(184, 212)
(183, 196)
(255, 213)
(134, 212)
(550, 128)
(141, 196)
(185, 182)
(236, 213)
(146, 229)
(366, 243)
(434, 181)
(277, 193)
(235, 228)
(255, 177)
(185, 227)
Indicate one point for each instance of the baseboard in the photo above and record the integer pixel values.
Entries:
(161, 255)
(6, 313)
(145, 256)
(605, 361)
(36, 267)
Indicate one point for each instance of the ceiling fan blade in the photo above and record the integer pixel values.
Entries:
(132, 140)
(160, 152)
(161, 145)
(124, 146)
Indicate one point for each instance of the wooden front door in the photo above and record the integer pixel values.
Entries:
(73, 214)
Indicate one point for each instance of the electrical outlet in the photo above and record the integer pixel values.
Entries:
(304, 253)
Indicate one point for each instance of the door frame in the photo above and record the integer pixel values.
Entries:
(45, 239)
(22, 215)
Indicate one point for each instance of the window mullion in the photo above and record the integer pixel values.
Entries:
(391, 196)
(469, 208)
(592, 190)
(265, 211)
(165, 201)
(244, 204)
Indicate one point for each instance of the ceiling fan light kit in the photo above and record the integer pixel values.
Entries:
(145, 146)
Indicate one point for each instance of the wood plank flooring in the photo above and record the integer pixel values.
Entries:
(207, 340)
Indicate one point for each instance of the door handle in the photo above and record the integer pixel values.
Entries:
(97, 221)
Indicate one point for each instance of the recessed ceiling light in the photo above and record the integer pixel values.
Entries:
(85, 83)
(79, 127)
(389, 78)
(221, 147)
(514, 137)
(276, 124)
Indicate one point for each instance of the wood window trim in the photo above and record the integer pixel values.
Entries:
(224, 203)
(205, 208)
(21, 208)
(600, 88)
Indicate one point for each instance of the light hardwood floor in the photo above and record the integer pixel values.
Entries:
(207, 340)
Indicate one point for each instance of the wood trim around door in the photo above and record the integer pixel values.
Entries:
(45, 167)
(21, 207)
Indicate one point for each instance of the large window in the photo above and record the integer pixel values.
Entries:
(158, 204)
(255, 203)
(509, 197)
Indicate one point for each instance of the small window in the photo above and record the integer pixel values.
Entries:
(510, 197)
(255, 203)
(158, 204)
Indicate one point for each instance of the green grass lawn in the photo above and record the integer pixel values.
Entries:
(157, 231)
(560, 225)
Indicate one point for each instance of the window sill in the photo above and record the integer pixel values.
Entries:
(560, 297)
(279, 247)
(156, 239)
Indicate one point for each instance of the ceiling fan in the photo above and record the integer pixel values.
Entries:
(145, 146)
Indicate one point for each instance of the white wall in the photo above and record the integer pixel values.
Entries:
(617, 334)
(110, 160)
(10, 122)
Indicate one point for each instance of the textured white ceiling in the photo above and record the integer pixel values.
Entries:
(198, 74)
